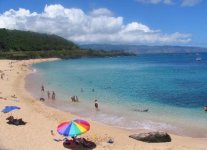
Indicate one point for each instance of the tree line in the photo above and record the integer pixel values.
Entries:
(16, 44)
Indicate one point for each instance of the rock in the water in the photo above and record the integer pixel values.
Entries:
(152, 137)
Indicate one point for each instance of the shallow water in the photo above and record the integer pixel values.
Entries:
(172, 86)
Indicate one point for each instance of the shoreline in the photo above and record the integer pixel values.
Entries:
(160, 115)
(37, 137)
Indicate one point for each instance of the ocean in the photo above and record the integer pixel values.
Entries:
(172, 87)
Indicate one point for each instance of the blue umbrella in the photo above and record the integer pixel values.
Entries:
(9, 108)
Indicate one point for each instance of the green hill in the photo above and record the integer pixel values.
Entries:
(15, 44)
(15, 40)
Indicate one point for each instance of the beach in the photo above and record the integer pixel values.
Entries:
(41, 119)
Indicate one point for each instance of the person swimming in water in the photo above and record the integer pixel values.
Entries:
(205, 108)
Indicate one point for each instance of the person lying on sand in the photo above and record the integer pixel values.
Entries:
(15, 121)
(79, 141)
(42, 99)
(66, 141)
(13, 96)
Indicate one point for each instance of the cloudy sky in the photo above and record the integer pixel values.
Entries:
(149, 22)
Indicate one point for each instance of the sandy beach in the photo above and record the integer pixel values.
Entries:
(41, 119)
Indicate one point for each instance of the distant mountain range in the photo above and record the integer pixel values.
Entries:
(143, 49)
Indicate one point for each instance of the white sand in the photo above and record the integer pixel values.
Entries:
(41, 119)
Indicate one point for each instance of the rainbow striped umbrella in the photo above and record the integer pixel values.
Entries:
(73, 128)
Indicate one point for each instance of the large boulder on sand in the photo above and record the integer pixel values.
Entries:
(152, 137)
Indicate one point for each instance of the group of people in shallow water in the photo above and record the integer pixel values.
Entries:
(49, 96)
(73, 98)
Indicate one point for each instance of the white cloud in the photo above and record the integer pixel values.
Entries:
(99, 26)
(168, 2)
(187, 3)
(101, 12)
(134, 27)
(190, 3)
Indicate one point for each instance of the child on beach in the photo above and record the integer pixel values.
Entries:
(52, 133)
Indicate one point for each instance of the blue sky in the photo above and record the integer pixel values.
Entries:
(150, 22)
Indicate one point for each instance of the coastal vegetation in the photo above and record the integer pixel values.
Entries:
(16, 44)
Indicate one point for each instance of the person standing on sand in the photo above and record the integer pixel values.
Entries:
(76, 99)
(72, 98)
(48, 94)
(42, 88)
(53, 95)
(52, 133)
(96, 104)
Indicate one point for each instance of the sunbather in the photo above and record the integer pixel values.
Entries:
(66, 141)
(13, 96)
(15, 121)
(10, 118)
(85, 143)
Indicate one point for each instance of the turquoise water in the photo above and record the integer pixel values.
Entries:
(172, 86)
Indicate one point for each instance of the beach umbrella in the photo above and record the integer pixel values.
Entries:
(73, 128)
(9, 108)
